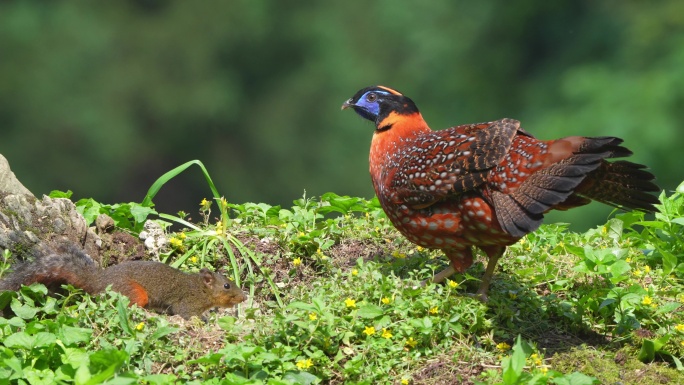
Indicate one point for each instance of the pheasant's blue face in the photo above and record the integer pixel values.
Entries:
(376, 103)
(368, 105)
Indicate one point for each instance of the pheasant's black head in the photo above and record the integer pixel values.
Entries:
(377, 102)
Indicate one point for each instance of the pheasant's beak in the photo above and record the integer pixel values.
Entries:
(347, 104)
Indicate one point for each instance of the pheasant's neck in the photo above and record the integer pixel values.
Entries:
(387, 143)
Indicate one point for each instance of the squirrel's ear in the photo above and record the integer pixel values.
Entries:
(207, 276)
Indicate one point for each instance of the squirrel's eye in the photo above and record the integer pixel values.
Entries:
(372, 97)
(226, 286)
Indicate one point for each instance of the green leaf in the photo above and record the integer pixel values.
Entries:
(618, 269)
(39, 377)
(121, 306)
(22, 310)
(650, 347)
(19, 340)
(680, 188)
(669, 261)
(575, 378)
(140, 213)
(6, 297)
(159, 379)
(157, 185)
(669, 307)
(72, 335)
(44, 339)
(163, 331)
(301, 305)
(514, 364)
(227, 323)
(61, 194)
(304, 378)
(104, 364)
(369, 311)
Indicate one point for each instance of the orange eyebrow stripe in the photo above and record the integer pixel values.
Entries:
(394, 92)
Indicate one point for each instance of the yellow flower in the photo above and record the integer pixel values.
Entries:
(350, 302)
(680, 328)
(182, 236)
(647, 269)
(534, 357)
(305, 364)
(386, 300)
(411, 343)
(204, 202)
(452, 284)
(420, 248)
(140, 326)
(193, 259)
(224, 202)
(355, 272)
(434, 310)
(369, 331)
(561, 244)
(628, 260)
(404, 381)
(503, 346)
(175, 242)
(297, 261)
(636, 272)
(647, 300)
(604, 230)
(219, 228)
(544, 369)
(386, 333)
(397, 254)
(512, 295)
(313, 316)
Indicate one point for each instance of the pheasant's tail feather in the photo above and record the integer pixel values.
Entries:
(522, 211)
(575, 180)
(621, 184)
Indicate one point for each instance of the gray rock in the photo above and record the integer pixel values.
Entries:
(9, 184)
(28, 225)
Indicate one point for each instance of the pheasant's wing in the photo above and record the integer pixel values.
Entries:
(450, 162)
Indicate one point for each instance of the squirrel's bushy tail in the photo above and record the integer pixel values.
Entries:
(54, 269)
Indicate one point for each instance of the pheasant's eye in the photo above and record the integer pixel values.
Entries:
(372, 97)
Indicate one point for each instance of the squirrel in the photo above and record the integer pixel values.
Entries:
(151, 285)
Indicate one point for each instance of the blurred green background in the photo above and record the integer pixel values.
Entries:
(104, 97)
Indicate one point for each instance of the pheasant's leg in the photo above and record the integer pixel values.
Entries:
(460, 261)
(493, 254)
(442, 275)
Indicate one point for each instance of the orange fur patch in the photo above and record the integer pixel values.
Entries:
(391, 91)
(406, 123)
(138, 294)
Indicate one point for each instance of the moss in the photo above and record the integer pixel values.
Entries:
(620, 367)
